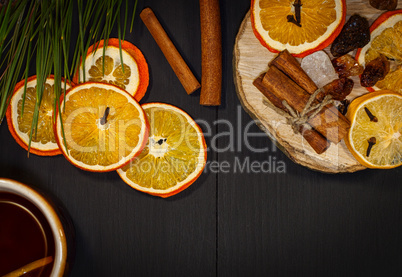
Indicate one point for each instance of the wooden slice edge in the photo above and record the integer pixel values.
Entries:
(298, 157)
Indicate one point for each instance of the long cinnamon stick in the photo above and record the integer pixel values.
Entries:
(211, 53)
(176, 61)
(318, 142)
(329, 124)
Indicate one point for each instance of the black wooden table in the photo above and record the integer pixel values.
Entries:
(275, 218)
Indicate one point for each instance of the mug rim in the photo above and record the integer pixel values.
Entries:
(60, 242)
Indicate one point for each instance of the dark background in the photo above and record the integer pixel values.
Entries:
(295, 223)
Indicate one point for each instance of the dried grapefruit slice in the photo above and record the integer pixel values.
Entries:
(104, 127)
(321, 21)
(386, 39)
(20, 114)
(132, 75)
(174, 156)
(375, 135)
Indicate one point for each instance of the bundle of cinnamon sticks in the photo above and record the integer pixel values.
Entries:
(287, 86)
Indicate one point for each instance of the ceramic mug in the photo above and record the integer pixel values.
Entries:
(57, 218)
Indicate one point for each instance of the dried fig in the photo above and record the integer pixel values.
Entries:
(355, 34)
(389, 5)
(375, 71)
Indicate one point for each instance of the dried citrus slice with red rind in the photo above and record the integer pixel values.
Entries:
(386, 39)
(175, 154)
(376, 119)
(100, 127)
(321, 22)
(20, 114)
(128, 71)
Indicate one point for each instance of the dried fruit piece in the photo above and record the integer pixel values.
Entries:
(355, 34)
(339, 88)
(347, 66)
(386, 39)
(389, 5)
(375, 71)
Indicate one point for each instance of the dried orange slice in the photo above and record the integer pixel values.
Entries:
(321, 21)
(375, 135)
(132, 75)
(385, 39)
(20, 114)
(174, 156)
(104, 127)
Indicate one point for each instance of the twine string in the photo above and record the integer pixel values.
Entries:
(298, 120)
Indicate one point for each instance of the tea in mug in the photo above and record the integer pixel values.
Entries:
(25, 236)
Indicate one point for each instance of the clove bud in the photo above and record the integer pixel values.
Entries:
(103, 119)
(370, 115)
(296, 18)
(371, 142)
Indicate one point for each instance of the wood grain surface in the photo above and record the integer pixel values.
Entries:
(253, 212)
(250, 60)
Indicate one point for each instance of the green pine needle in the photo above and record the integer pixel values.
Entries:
(35, 31)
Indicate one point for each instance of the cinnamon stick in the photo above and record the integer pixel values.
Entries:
(329, 124)
(268, 94)
(338, 88)
(317, 141)
(211, 53)
(176, 61)
(288, 64)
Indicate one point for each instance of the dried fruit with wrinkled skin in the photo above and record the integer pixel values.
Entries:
(339, 88)
(347, 66)
(355, 34)
(389, 5)
(375, 71)
(386, 39)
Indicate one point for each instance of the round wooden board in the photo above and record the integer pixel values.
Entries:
(249, 61)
